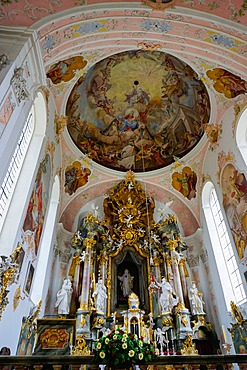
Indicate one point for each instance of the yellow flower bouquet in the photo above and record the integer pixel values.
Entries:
(122, 348)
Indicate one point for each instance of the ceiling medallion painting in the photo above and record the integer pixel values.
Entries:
(137, 110)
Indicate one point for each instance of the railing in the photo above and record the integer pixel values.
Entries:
(212, 362)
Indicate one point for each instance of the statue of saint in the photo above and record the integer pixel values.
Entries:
(64, 297)
(195, 300)
(126, 283)
(166, 295)
(101, 295)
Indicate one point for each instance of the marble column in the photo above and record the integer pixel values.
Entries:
(177, 280)
(83, 322)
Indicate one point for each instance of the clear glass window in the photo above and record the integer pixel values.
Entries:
(8, 185)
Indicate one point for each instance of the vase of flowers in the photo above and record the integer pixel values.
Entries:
(120, 349)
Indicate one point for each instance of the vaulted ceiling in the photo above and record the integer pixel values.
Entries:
(167, 52)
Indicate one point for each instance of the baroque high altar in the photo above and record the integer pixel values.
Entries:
(130, 272)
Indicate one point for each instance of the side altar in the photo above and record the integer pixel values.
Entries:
(129, 271)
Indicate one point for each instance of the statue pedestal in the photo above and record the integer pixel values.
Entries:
(165, 320)
(83, 322)
(55, 337)
(183, 323)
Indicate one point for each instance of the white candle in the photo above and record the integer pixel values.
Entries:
(224, 334)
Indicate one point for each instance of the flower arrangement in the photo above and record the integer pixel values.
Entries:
(120, 347)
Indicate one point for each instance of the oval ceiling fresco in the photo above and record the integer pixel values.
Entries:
(137, 110)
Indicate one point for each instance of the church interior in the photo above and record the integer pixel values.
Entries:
(123, 201)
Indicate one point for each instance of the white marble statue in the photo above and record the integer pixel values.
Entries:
(101, 295)
(126, 283)
(195, 300)
(166, 295)
(160, 339)
(64, 298)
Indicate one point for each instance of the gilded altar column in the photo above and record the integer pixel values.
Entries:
(74, 272)
(169, 271)
(157, 263)
(153, 287)
(103, 265)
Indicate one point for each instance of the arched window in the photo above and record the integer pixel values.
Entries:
(231, 281)
(241, 135)
(25, 157)
(11, 177)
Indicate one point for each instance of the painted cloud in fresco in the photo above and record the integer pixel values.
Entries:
(65, 70)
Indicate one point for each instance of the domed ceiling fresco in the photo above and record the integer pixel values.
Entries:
(138, 110)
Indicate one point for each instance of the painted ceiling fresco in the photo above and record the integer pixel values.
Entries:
(137, 110)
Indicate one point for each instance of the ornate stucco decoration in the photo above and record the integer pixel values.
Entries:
(189, 347)
(60, 122)
(213, 132)
(160, 4)
(145, 45)
(54, 338)
(8, 274)
(236, 313)
(4, 61)
(19, 85)
(81, 347)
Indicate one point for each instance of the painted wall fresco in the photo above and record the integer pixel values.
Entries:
(64, 70)
(185, 182)
(34, 220)
(136, 110)
(227, 83)
(75, 176)
(234, 188)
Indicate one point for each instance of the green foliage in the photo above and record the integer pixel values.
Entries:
(120, 347)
